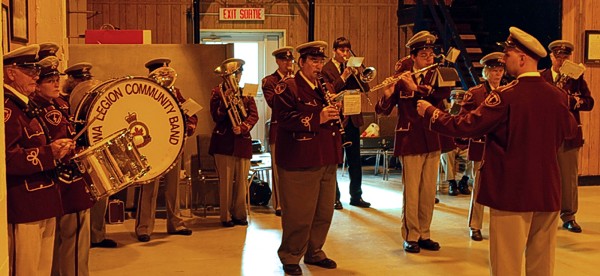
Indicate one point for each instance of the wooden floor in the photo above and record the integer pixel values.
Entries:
(361, 241)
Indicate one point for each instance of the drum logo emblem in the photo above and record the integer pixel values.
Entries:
(138, 128)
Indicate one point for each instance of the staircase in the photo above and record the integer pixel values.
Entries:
(459, 26)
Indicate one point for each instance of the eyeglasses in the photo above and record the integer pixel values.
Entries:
(316, 60)
(30, 69)
(426, 55)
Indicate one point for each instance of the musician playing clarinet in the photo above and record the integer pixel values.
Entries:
(309, 149)
(418, 147)
(580, 99)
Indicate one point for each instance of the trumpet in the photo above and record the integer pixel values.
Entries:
(367, 74)
(232, 100)
(329, 99)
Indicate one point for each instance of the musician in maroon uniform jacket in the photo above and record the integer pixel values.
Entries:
(32, 195)
(309, 146)
(418, 147)
(285, 69)
(580, 99)
(231, 145)
(146, 209)
(520, 179)
(336, 73)
(72, 243)
(493, 70)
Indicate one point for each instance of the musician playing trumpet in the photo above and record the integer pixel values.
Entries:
(418, 147)
(285, 69)
(343, 78)
(231, 143)
(309, 149)
(580, 99)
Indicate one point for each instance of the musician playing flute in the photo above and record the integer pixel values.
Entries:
(285, 68)
(309, 149)
(336, 72)
(231, 143)
(418, 147)
(580, 99)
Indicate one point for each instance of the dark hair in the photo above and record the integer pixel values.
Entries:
(341, 42)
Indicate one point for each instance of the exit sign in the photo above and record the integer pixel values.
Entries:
(241, 14)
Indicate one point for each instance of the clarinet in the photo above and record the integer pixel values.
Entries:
(327, 95)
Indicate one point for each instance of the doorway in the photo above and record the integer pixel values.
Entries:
(255, 48)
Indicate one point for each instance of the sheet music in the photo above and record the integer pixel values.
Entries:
(250, 90)
(571, 69)
(352, 103)
(191, 107)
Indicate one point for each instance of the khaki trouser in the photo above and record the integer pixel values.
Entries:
(233, 182)
(275, 199)
(568, 163)
(72, 244)
(97, 221)
(307, 198)
(475, 209)
(147, 204)
(419, 176)
(30, 247)
(515, 233)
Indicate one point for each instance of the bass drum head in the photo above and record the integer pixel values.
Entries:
(151, 114)
(80, 91)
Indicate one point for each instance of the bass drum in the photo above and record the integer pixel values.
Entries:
(149, 111)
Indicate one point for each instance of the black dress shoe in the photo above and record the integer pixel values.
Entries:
(278, 213)
(227, 223)
(105, 243)
(292, 269)
(144, 238)
(360, 203)
(428, 244)
(437, 200)
(183, 232)
(452, 188)
(572, 226)
(338, 205)
(463, 185)
(325, 263)
(240, 221)
(411, 247)
(476, 235)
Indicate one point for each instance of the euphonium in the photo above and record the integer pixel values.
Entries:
(232, 95)
(164, 76)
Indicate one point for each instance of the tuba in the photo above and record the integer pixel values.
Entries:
(232, 95)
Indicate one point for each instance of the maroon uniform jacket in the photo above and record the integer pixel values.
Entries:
(580, 99)
(333, 76)
(75, 195)
(268, 86)
(32, 194)
(223, 140)
(412, 137)
(520, 172)
(472, 99)
(302, 141)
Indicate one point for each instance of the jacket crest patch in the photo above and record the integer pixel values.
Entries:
(7, 113)
(53, 117)
(493, 99)
(281, 86)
